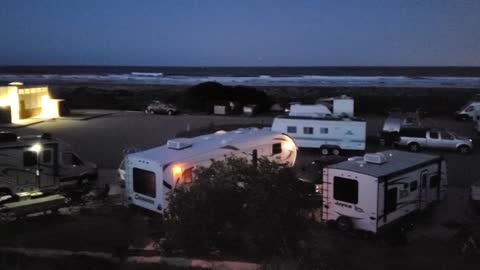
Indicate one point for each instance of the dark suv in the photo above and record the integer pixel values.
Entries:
(160, 108)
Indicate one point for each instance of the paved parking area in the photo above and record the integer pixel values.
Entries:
(102, 140)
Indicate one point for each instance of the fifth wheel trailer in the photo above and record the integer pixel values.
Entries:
(151, 174)
(368, 193)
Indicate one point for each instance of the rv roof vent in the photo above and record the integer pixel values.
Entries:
(220, 132)
(179, 143)
(238, 131)
(6, 136)
(377, 158)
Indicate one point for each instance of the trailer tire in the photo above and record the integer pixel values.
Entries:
(324, 151)
(344, 224)
(414, 147)
(336, 151)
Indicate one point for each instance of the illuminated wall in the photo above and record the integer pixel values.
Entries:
(28, 102)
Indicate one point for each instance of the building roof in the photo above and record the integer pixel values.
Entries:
(203, 144)
(396, 163)
(321, 117)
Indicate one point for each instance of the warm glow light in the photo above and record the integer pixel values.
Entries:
(36, 148)
(49, 107)
(177, 170)
(15, 83)
(290, 145)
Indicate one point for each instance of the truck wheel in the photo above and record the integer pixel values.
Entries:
(463, 149)
(324, 151)
(414, 147)
(344, 224)
(336, 151)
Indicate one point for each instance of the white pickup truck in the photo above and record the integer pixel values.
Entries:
(417, 138)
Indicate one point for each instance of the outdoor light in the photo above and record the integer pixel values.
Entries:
(177, 170)
(36, 148)
(290, 145)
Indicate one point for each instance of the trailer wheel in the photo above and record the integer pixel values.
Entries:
(344, 224)
(324, 151)
(414, 147)
(336, 151)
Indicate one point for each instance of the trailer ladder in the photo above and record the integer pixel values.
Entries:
(325, 195)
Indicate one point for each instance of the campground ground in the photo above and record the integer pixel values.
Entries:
(437, 240)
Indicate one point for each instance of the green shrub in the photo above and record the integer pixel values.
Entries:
(233, 206)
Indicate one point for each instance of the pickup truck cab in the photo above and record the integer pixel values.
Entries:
(417, 138)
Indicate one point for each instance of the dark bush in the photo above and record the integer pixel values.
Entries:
(203, 96)
(235, 207)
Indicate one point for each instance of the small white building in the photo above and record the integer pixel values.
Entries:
(28, 101)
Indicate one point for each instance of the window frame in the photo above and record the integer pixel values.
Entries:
(342, 182)
(305, 129)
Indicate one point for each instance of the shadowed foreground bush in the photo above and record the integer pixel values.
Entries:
(234, 207)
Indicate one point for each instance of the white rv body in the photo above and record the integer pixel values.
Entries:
(340, 106)
(33, 164)
(323, 132)
(309, 110)
(379, 189)
(151, 174)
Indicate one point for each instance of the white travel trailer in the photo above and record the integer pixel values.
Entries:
(368, 193)
(309, 110)
(151, 174)
(337, 106)
(341, 105)
(328, 133)
(37, 164)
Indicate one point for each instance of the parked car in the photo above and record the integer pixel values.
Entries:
(158, 107)
(418, 138)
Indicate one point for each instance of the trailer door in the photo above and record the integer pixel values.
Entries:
(391, 197)
(423, 190)
(47, 178)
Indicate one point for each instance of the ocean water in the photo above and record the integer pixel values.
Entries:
(450, 77)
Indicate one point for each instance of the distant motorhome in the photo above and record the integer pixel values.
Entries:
(41, 164)
(329, 134)
(151, 174)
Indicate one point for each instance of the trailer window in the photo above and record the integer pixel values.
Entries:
(144, 182)
(308, 130)
(276, 148)
(345, 190)
(29, 158)
(291, 129)
(434, 181)
(323, 130)
(76, 161)
(413, 186)
(47, 156)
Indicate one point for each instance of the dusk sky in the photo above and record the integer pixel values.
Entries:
(240, 33)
